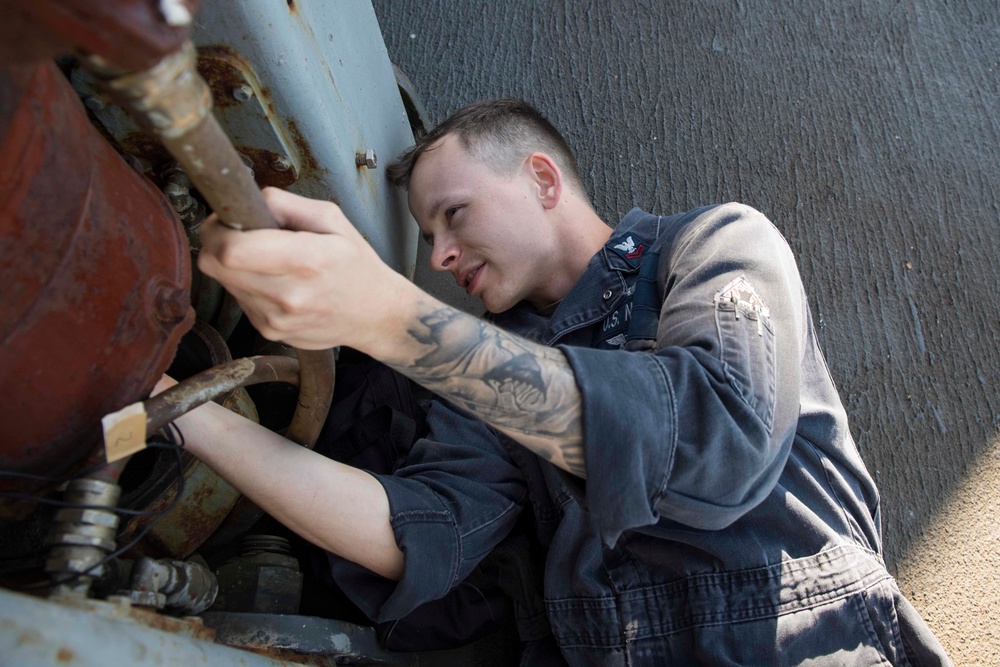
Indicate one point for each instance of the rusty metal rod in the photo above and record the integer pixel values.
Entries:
(174, 103)
(185, 396)
(209, 159)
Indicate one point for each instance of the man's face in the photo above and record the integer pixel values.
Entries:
(488, 230)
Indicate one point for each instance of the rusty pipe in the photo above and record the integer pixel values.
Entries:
(172, 101)
(167, 406)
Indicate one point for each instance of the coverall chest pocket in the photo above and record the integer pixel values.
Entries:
(746, 342)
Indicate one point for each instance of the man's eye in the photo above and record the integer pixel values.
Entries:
(450, 213)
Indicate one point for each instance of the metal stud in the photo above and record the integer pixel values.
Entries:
(243, 93)
(367, 159)
(607, 294)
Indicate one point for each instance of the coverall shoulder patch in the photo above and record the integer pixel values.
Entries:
(629, 248)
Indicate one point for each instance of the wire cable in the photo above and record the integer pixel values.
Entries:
(171, 440)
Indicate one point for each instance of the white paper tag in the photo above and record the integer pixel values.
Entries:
(124, 432)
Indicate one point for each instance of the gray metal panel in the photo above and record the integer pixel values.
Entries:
(38, 633)
(321, 76)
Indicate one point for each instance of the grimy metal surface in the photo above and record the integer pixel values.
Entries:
(304, 634)
(40, 633)
(217, 381)
(94, 271)
(869, 132)
(319, 89)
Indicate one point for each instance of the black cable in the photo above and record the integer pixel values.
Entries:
(174, 444)
(169, 430)
(13, 495)
(10, 495)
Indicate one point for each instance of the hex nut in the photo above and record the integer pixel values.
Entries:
(148, 599)
(75, 564)
(367, 159)
(88, 517)
(262, 583)
(281, 164)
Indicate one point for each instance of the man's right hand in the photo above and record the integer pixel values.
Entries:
(314, 284)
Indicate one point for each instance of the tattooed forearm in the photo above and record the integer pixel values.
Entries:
(524, 389)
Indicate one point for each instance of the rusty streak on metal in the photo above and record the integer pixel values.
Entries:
(223, 69)
(121, 608)
(262, 161)
(173, 102)
(226, 71)
(307, 160)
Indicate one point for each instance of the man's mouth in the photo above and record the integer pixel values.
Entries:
(471, 280)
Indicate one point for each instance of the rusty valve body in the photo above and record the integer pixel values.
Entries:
(95, 273)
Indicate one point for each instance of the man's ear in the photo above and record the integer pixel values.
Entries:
(547, 177)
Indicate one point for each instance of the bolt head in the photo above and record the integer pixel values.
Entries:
(243, 93)
(366, 159)
(281, 164)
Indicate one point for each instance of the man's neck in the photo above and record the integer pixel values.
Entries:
(583, 234)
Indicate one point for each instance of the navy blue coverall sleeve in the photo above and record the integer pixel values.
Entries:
(699, 431)
(456, 498)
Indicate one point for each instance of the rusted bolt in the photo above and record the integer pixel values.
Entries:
(243, 93)
(179, 196)
(281, 164)
(366, 159)
(169, 303)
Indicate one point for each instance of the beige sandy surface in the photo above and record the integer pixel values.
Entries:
(952, 574)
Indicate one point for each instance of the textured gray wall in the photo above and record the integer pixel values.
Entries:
(867, 130)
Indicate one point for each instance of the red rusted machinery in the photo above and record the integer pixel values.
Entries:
(95, 274)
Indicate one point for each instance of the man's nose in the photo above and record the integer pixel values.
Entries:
(443, 256)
